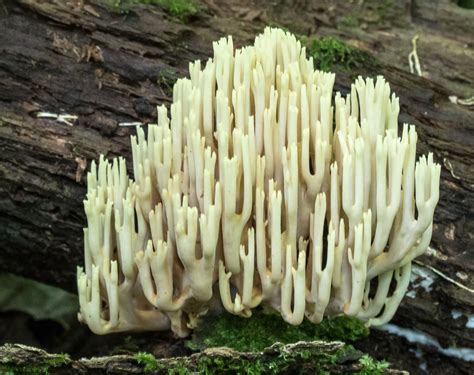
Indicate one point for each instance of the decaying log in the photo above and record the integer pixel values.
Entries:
(71, 77)
(301, 357)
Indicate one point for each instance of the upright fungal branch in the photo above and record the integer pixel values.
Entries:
(258, 190)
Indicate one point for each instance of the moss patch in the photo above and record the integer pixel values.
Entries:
(311, 361)
(181, 9)
(312, 358)
(348, 21)
(331, 54)
(38, 368)
(262, 330)
(315, 358)
(148, 361)
(467, 4)
(371, 366)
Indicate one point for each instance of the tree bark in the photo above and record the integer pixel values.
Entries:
(60, 59)
(301, 357)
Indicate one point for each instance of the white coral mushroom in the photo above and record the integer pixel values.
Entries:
(259, 191)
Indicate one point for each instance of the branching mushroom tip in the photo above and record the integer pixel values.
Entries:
(258, 189)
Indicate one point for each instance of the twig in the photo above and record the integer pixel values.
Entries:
(58, 117)
(130, 124)
(467, 102)
(444, 276)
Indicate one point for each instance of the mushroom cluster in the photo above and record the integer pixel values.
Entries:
(258, 189)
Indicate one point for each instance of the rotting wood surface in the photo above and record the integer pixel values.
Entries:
(307, 357)
(60, 59)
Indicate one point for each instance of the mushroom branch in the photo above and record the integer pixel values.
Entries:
(258, 189)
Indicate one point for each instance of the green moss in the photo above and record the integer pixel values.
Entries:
(309, 361)
(58, 360)
(40, 368)
(181, 9)
(148, 361)
(348, 21)
(18, 370)
(467, 4)
(371, 366)
(179, 370)
(177, 8)
(262, 330)
(342, 328)
(333, 54)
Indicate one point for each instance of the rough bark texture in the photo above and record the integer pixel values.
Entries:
(108, 68)
(303, 357)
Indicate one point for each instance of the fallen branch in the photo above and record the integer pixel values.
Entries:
(315, 356)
